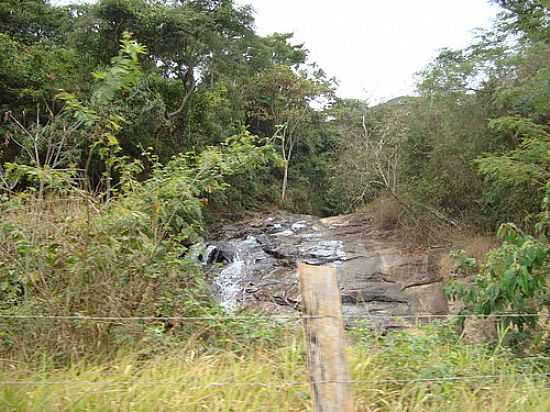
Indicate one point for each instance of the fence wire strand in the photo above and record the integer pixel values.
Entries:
(293, 317)
(266, 318)
(267, 385)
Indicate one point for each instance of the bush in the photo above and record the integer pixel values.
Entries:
(124, 258)
(513, 277)
(386, 212)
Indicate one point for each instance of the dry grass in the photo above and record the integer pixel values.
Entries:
(476, 246)
(276, 379)
(446, 266)
(50, 217)
(385, 212)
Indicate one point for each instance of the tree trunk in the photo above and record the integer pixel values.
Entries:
(188, 80)
(285, 182)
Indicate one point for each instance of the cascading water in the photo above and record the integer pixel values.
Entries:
(211, 255)
(268, 259)
(253, 265)
(229, 283)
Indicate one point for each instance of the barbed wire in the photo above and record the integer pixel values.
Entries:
(266, 317)
(284, 383)
(529, 360)
(442, 316)
(439, 379)
(145, 318)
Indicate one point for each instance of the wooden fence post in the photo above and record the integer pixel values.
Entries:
(325, 344)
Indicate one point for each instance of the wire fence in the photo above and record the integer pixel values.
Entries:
(260, 384)
(296, 317)
(271, 318)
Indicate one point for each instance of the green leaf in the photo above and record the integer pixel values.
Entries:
(112, 140)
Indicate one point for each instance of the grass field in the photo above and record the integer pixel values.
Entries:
(426, 369)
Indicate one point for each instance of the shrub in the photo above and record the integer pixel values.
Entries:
(513, 278)
(123, 258)
(386, 211)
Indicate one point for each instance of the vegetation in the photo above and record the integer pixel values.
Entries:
(470, 151)
(129, 125)
(473, 144)
(390, 373)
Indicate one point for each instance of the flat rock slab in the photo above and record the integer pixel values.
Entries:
(252, 265)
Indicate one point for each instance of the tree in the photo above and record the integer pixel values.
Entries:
(280, 105)
(185, 40)
(31, 21)
(372, 151)
(516, 179)
(99, 116)
(528, 18)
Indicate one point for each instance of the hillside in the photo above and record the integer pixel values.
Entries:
(164, 167)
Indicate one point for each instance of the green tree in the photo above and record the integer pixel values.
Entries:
(280, 105)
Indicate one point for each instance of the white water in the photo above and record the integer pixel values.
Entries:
(250, 262)
(228, 283)
(230, 278)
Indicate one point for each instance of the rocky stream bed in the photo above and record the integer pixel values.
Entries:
(252, 265)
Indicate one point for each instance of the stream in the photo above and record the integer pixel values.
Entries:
(252, 265)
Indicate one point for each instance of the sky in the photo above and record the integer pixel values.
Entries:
(373, 47)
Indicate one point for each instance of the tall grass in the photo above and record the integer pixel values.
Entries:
(78, 256)
(275, 379)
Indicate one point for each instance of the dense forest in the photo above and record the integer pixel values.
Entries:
(84, 87)
(129, 127)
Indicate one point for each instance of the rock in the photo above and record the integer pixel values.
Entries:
(378, 277)
(427, 298)
(480, 330)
